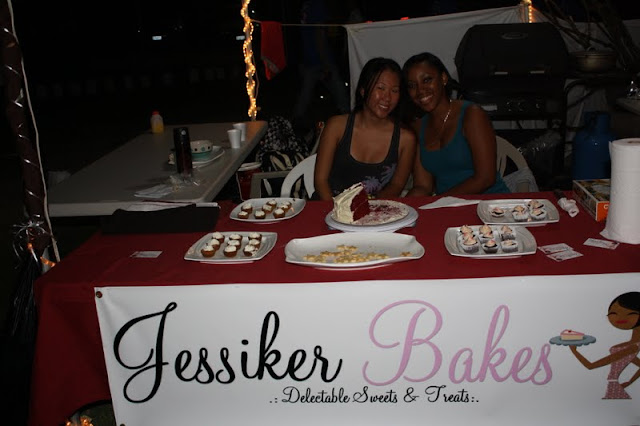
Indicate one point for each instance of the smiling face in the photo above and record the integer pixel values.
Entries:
(623, 318)
(384, 95)
(426, 86)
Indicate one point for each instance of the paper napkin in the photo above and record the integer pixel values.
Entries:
(449, 202)
(569, 206)
(157, 191)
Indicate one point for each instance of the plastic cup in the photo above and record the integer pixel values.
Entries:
(243, 130)
(234, 138)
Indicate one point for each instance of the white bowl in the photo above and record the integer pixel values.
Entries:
(201, 148)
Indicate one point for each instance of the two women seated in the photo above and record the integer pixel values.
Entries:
(449, 149)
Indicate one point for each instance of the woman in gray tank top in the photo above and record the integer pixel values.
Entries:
(369, 145)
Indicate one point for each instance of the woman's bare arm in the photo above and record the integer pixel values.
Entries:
(423, 183)
(602, 361)
(635, 377)
(329, 139)
(406, 156)
(482, 141)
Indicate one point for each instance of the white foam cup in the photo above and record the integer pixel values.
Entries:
(234, 138)
(243, 130)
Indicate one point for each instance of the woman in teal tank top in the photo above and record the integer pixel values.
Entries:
(457, 153)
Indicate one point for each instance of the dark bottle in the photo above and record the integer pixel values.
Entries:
(182, 144)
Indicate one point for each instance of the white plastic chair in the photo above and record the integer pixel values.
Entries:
(257, 178)
(521, 180)
(305, 168)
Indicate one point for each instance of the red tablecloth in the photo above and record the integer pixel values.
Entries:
(69, 370)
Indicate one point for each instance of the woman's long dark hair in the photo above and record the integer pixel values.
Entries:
(368, 78)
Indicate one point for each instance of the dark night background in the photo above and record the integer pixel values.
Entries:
(94, 72)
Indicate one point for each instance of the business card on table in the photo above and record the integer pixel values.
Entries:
(147, 254)
(564, 255)
(555, 248)
(611, 245)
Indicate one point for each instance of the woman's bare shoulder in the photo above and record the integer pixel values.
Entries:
(339, 121)
(334, 129)
(475, 112)
(407, 134)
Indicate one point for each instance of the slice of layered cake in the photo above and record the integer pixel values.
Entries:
(351, 204)
(571, 335)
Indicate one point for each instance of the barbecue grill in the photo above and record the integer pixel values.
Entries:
(514, 71)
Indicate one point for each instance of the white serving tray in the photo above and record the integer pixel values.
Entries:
(399, 248)
(526, 243)
(268, 242)
(485, 207)
(298, 205)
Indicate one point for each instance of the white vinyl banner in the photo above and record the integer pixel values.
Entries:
(450, 352)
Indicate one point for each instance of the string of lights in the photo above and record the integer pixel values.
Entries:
(247, 51)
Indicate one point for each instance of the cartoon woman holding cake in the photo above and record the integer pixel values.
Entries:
(624, 314)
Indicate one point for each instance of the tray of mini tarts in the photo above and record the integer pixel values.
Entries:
(522, 212)
(489, 241)
(214, 247)
(267, 210)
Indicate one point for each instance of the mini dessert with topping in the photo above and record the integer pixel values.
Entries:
(469, 244)
(466, 230)
(230, 251)
(208, 250)
(486, 234)
(490, 247)
(236, 237)
(243, 214)
(278, 213)
(520, 213)
(509, 246)
(267, 208)
(497, 212)
(218, 236)
(535, 204)
(571, 335)
(486, 231)
(272, 203)
(538, 214)
(255, 242)
(507, 233)
(259, 214)
(285, 205)
(250, 250)
(235, 243)
(247, 207)
(255, 236)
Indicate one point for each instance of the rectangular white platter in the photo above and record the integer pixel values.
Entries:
(485, 207)
(297, 206)
(526, 243)
(268, 242)
(398, 248)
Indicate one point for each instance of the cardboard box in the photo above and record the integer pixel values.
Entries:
(594, 196)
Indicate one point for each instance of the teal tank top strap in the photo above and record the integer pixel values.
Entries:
(463, 109)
